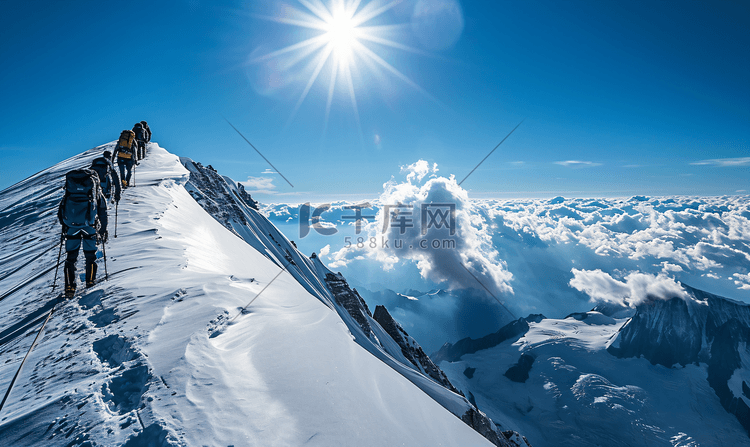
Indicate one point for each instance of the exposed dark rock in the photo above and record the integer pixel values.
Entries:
(520, 371)
(350, 300)
(745, 390)
(709, 329)
(580, 316)
(453, 352)
(469, 372)
(516, 439)
(245, 197)
(411, 349)
(215, 194)
(725, 359)
(472, 400)
(613, 310)
(485, 427)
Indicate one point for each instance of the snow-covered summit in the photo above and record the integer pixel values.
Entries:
(167, 351)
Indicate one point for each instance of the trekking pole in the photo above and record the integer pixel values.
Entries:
(57, 266)
(117, 204)
(104, 252)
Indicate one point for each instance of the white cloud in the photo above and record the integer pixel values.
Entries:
(724, 162)
(255, 184)
(465, 259)
(577, 164)
(742, 281)
(325, 250)
(636, 288)
(269, 171)
(529, 246)
(418, 170)
(667, 267)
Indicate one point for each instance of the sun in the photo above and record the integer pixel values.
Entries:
(347, 36)
(341, 33)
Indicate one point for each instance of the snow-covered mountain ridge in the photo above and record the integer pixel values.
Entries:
(676, 372)
(160, 354)
(215, 192)
(705, 329)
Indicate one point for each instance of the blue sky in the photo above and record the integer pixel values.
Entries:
(617, 98)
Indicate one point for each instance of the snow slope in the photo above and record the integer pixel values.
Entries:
(155, 355)
(228, 203)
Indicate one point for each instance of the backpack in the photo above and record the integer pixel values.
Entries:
(78, 208)
(103, 169)
(140, 132)
(126, 140)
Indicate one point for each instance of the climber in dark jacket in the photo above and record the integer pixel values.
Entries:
(140, 137)
(108, 177)
(148, 131)
(80, 228)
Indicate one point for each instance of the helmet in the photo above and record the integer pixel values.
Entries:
(138, 125)
(144, 122)
(107, 154)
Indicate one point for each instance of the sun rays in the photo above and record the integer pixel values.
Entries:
(347, 37)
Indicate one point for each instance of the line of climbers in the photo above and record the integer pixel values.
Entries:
(83, 208)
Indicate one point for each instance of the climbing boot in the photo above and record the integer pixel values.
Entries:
(70, 281)
(90, 274)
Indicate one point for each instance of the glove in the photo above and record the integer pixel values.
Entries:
(65, 229)
(104, 235)
(117, 197)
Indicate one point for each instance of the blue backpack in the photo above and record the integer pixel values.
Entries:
(82, 191)
(103, 170)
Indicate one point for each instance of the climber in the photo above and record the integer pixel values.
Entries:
(126, 153)
(108, 177)
(83, 216)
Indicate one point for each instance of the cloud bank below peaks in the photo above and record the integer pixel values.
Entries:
(635, 288)
(429, 220)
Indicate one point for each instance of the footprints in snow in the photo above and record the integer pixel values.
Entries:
(113, 350)
(153, 435)
(217, 325)
(124, 391)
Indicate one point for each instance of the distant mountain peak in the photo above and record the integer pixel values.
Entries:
(705, 329)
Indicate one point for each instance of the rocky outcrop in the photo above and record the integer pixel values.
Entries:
(520, 371)
(516, 439)
(411, 349)
(415, 354)
(453, 352)
(350, 300)
(217, 194)
(245, 197)
(485, 427)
